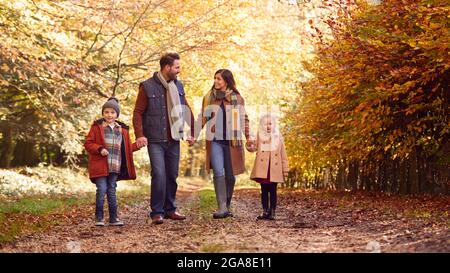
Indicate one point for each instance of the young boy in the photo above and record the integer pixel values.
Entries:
(110, 159)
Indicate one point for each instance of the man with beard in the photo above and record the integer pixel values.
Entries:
(158, 119)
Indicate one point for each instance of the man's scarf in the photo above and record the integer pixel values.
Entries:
(174, 107)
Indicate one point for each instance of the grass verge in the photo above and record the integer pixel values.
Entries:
(36, 214)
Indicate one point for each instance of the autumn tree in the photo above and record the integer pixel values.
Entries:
(375, 113)
(61, 59)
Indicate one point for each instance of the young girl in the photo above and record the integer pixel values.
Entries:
(110, 159)
(271, 164)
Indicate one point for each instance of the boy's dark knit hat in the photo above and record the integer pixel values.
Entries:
(113, 103)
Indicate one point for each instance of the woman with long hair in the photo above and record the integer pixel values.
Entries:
(223, 114)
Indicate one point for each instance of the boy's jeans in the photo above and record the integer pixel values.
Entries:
(106, 185)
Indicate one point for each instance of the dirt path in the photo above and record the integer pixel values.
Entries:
(306, 223)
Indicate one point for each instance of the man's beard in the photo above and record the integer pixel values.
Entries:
(173, 76)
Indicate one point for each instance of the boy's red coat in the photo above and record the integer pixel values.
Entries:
(98, 164)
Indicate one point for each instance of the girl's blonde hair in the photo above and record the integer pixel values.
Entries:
(274, 135)
(265, 116)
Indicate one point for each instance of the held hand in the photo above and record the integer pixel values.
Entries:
(190, 140)
(141, 142)
(251, 141)
(251, 147)
(104, 152)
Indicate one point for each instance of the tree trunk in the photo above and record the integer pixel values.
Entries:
(340, 180)
(315, 181)
(353, 175)
(7, 147)
(394, 176)
(25, 154)
(403, 178)
(422, 168)
(413, 173)
(383, 174)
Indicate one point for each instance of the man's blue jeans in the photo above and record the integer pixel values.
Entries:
(164, 161)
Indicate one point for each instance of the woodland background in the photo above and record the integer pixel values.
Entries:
(361, 88)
